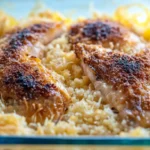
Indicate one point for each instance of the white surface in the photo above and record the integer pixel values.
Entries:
(21, 8)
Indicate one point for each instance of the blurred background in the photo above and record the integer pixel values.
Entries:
(74, 8)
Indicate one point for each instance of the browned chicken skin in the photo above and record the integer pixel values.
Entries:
(117, 62)
(27, 87)
(107, 33)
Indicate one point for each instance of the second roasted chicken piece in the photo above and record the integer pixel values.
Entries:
(118, 63)
(107, 33)
(27, 87)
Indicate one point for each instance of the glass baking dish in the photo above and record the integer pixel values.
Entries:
(82, 8)
(68, 143)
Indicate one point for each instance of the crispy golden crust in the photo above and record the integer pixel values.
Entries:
(12, 46)
(130, 74)
(27, 87)
(97, 32)
(26, 81)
